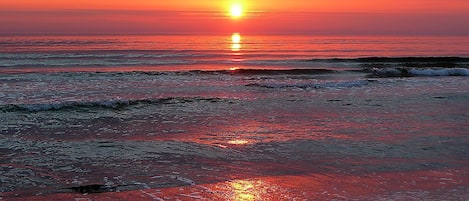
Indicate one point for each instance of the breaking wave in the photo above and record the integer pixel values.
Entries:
(440, 72)
(141, 57)
(105, 104)
(410, 72)
(344, 84)
(267, 72)
(398, 59)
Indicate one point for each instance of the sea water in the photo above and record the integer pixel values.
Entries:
(219, 118)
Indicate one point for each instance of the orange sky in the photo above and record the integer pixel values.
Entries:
(338, 17)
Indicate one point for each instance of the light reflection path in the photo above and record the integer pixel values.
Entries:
(236, 47)
(243, 190)
(239, 142)
(236, 38)
(246, 190)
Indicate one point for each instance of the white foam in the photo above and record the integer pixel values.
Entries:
(343, 84)
(57, 106)
(440, 72)
(398, 72)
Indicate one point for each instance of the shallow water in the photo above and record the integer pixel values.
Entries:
(221, 134)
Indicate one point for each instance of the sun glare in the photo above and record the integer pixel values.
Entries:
(236, 11)
(236, 38)
(238, 142)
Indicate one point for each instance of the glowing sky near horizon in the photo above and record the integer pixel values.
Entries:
(365, 17)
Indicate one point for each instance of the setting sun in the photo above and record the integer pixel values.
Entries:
(236, 10)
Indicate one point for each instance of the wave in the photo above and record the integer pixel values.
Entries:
(412, 72)
(374, 72)
(249, 64)
(420, 62)
(266, 71)
(234, 72)
(396, 59)
(344, 84)
(104, 104)
(148, 57)
(440, 72)
(54, 42)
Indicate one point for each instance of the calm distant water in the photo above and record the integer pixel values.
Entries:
(234, 117)
(187, 52)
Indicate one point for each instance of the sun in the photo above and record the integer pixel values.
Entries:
(236, 11)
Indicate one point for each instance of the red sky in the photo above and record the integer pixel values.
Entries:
(337, 17)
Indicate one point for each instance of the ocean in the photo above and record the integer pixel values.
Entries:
(234, 117)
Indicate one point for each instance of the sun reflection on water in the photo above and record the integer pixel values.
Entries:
(236, 47)
(251, 189)
(236, 38)
(236, 42)
(239, 142)
(244, 190)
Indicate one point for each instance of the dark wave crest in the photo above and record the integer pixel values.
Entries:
(414, 72)
(421, 62)
(335, 85)
(241, 72)
(397, 59)
(268, 71)
(104, 104)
